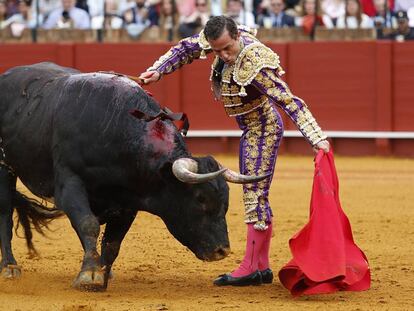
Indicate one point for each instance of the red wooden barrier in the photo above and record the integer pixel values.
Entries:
(352, 86)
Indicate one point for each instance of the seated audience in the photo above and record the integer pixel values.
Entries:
(185, 7)
(276, 16)
(82, 4)
(3, 14)
(237, 12)
(25, 18)
(354, 18)
(105, 16)
(384, 18)
(192, 24)
(311, 16)
(136, 18)
(403, 5)
(217, 7)
(333, 8)
(403, 32)
(168, 19)
(68, 16)
(45, 6)
(12, 7)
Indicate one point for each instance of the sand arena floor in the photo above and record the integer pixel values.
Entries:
(155, 272)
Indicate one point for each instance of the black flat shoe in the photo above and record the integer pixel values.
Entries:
(254, 278)
(267, 276)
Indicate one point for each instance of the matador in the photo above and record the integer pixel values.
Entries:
(246, 78)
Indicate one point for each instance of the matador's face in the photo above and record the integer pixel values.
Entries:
(226, 47)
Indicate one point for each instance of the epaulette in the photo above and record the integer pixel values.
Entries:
(251, 60)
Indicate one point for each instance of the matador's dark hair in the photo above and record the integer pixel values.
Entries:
(217, 24)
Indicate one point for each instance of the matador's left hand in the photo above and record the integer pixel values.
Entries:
(324, 145)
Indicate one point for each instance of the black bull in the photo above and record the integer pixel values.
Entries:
(70, 138)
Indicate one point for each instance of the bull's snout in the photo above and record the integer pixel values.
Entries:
(219, 253)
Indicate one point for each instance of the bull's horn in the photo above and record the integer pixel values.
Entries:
(237, 178)
(185, 169)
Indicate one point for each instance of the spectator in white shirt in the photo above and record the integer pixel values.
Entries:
(236, 11)
(46, 6)
(68, 16)
(25, 17)
(403, 5)
(354, 18)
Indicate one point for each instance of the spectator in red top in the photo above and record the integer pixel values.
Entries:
(311, 16)
(368, 7)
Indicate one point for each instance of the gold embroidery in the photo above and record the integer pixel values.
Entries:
(308, 126)
(251, 60)
(234, 109)
(226, 74)
(259, 160)
(202, 41)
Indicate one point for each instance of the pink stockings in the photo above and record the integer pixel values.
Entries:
(257, 251)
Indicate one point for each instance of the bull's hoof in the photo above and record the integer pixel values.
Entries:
(11, 272)
(91, 281)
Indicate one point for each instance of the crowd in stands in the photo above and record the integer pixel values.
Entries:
(187, 17)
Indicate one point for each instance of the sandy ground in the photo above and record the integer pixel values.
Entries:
(155, 272)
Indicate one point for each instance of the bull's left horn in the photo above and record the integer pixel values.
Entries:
(237, 178)
(185, 169)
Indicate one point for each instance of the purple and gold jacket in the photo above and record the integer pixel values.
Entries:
(253, 80)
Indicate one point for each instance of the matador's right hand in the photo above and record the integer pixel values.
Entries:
(149, 76)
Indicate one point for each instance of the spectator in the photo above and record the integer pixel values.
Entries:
(12, 7)
(217, 7)
(333, 8)
(83, 4)
(354, 18)
(192, 24)
(276, 17)
(3, 14)
(68, 16)
(136, 18)
(45, 6)
(185, 7)
(410, 13)
(383, 18)
(403, 5)
(368, 7)
(404, 31)
(105, 16)
(311, 17)
(236, 11)
(25, 18)
(292, 4)
(168, 18)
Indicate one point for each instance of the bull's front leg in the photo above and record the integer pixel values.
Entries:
(72, 198)
(115, 231)
(8, 265)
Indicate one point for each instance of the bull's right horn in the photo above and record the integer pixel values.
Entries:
(185, 169)
(237, 178)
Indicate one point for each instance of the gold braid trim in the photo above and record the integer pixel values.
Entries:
(251, 60)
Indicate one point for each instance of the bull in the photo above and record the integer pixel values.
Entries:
(71, 139)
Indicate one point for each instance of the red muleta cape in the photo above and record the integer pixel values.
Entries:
(325, 257)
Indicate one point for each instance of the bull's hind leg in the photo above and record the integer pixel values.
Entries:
(115, 231)
(72, 198)
(8, 266)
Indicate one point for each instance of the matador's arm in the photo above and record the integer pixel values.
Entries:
(269, 83)
(181, 54)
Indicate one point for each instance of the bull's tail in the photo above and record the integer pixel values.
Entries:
(30, 213)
